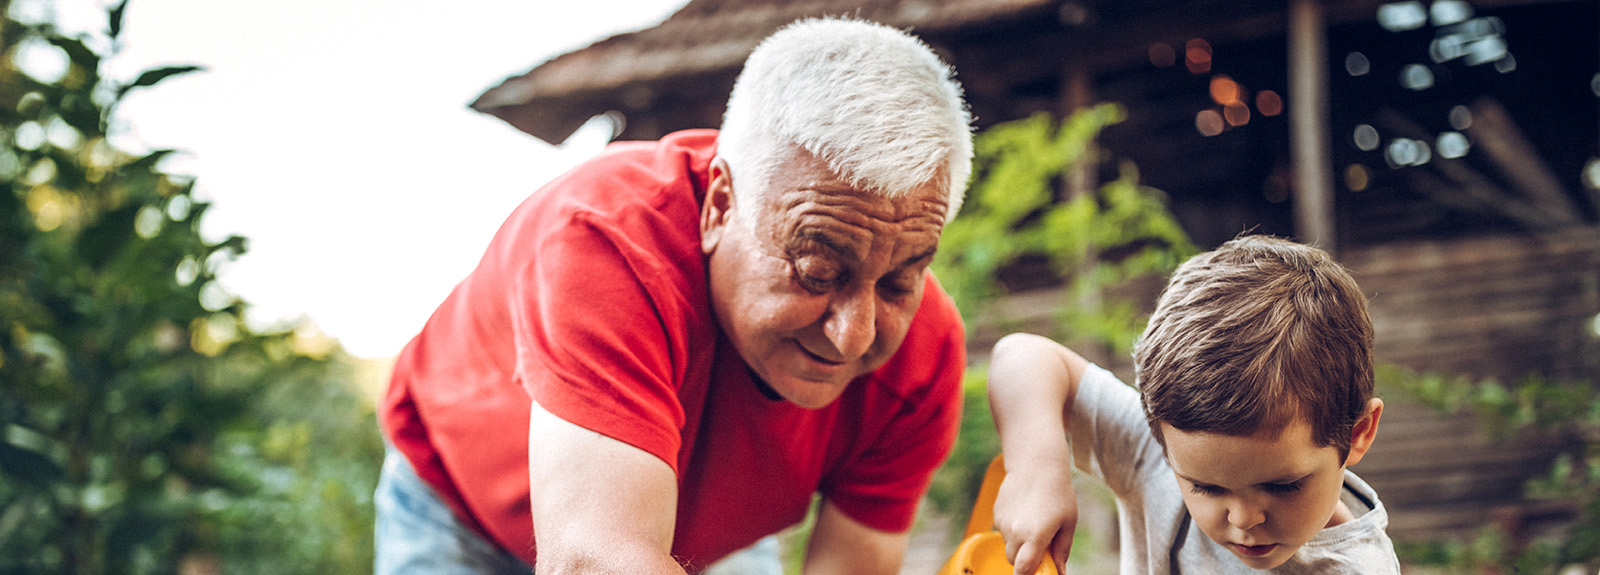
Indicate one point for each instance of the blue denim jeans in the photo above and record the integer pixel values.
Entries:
(417, 534)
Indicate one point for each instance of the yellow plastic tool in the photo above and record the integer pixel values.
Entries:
(983, 550)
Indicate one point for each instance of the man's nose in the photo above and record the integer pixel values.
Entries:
(851, 324)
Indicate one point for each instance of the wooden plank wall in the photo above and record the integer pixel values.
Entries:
(1500, 307)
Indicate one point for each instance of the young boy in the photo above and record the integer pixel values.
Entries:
(1255, 394)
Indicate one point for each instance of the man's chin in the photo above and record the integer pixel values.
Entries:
(809, 394)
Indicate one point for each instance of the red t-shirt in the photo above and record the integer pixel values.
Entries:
(593, 300)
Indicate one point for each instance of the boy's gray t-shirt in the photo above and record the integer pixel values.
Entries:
(1112, 441)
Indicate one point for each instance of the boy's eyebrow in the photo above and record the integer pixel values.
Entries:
(1193, 480)
(1280, 480)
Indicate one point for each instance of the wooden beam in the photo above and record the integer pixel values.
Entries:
(1504, 144)
(1308, 121)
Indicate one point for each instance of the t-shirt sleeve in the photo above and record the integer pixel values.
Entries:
(592, 336)
(882, 487)
(1110, 437)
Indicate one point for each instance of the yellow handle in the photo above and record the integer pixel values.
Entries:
(982, 519)
(983, 550)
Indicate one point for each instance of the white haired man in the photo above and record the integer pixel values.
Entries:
(668, 352)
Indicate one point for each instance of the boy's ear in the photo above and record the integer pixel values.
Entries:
(1365, 430)
(718, 208)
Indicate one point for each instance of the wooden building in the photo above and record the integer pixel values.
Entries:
(1448, 151)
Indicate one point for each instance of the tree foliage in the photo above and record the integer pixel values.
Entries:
(1533, 404)
(142, 420)
(1094, 242)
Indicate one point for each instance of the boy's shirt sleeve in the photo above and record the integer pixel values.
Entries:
(1109, 434)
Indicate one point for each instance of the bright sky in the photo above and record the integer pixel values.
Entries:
(335, 136)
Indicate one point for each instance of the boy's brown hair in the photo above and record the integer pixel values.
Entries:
(1253, 334)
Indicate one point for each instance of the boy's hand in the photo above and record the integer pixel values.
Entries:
(1037, 511)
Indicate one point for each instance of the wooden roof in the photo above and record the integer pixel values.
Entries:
(704, 38)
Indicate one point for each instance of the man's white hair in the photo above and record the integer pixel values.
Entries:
(874, 103)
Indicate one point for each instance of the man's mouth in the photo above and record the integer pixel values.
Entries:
(818, 358)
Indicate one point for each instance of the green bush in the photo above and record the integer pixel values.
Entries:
(144, 423)
(1533, 404)
(1092, 243)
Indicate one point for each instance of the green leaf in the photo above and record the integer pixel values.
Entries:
(157, 75)
(78, 53)
(28, 465)
(115, 18)
(103, 240)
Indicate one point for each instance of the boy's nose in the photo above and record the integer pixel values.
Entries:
(1243, 515)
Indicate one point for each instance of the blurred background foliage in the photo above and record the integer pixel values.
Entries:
(145, 425)
(1534, 404)
(1024, 228)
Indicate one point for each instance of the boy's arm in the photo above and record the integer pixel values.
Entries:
(1032, 382)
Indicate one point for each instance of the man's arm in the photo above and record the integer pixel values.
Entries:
(1032, 383)
(600, 506)
(843, 546)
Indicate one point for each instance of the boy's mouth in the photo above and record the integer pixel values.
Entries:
(1252, 550)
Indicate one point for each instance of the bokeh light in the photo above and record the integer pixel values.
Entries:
(1506, 65)
(1416, 77)
(1208, 122)
(1366, 138)
(1407, 152)
(62, 135)
(1269, 103)
(1447, 12)
(1453, 145)
(1357, 64)
(148, 222)
(1490, 49)
(1460, 117)
(29, 136)
(1357, 178)
(1224, 90)
(1162, 54)
(1237, 114)
(1591, 174)
(1402, 16)
(41, 60)
(1197, 56)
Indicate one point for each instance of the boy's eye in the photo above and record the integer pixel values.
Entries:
(1282, 488)
(1203, 489)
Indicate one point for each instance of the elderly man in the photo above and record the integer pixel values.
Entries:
(668, 352)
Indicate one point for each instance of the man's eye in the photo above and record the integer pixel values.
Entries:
(898, 285)
(815, 275)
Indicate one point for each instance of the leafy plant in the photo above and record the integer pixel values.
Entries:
(138, 409)
(1532, 404)
(1094, 242)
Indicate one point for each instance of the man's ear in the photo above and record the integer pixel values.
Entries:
(718, 209)
(1364, 432)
